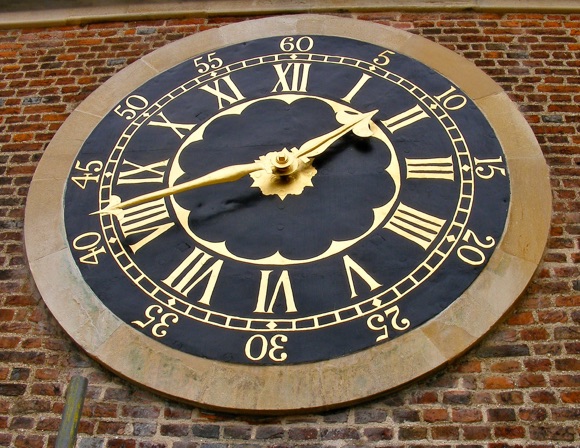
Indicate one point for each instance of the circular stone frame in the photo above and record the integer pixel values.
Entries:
(312, 386)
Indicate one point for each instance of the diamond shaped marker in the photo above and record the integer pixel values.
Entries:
(272, 325)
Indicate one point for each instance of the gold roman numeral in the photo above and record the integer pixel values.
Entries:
(361, 82)
(233, 94)
(414, 225)
(138, 174)
(195, 268)
(150, 219)
(405, 119)
(353, 267)
(175, 127)
(436, 168)
(265, 303)
(292, 78)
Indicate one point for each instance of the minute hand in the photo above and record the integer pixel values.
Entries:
(359, 124)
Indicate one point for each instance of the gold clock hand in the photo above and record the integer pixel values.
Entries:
(359, 124)
(223, 175)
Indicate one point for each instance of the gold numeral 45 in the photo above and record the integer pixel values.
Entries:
(88, 173)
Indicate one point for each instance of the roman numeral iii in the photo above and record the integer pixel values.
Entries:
(414, 225)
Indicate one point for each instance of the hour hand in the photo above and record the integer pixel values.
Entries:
(360, 124)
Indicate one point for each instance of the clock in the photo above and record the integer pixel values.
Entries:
(287, 214)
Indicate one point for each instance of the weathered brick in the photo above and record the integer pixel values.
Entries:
(303, 433)
(12, 389)
(174, 430)
(339, 433)
(501, 415)
(466, 415)
(378, 434)
(553, 433)
(205, 431)
(269, 432)
(237, 432)
(435, 415)
(509, 432)
(412, 433)
(445, 432)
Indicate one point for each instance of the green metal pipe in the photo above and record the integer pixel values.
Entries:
(71, 415)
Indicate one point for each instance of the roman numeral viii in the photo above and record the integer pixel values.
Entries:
(149, 220)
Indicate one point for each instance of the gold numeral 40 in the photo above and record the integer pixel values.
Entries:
(89, 242)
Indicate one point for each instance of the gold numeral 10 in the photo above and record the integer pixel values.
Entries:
(89, 242)
(451, 102)
(258, 347)
(89, 171)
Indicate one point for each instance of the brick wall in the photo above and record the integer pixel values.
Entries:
(518, 387)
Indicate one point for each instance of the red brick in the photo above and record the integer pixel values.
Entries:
(570, 397)
(445, 432)
(509, 432)
(435, 415)
(498, 382)
(476, 432)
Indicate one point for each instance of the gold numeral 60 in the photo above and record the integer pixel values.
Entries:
(302, 44)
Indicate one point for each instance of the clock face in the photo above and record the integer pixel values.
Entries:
(287, 213)
(356, 245)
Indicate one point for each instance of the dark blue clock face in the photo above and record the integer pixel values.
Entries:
(381, 222)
